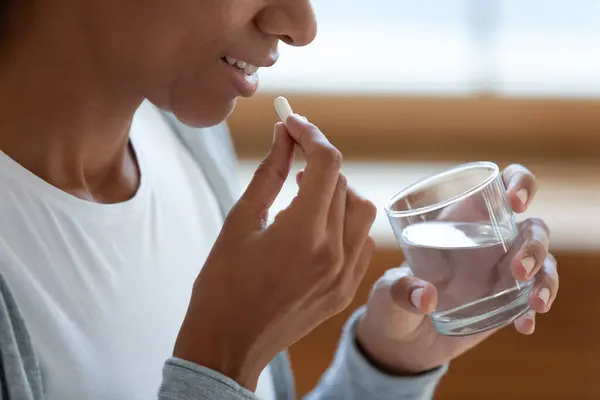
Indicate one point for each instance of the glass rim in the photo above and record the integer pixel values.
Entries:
(493, 167)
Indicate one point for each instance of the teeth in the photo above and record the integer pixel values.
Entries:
(250, 69)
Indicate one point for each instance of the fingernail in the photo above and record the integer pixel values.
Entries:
(531, 315)
(544, 295)
(528, 263)
(523, 196)
(415, 297)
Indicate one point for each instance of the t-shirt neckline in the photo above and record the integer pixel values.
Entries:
(12, 170)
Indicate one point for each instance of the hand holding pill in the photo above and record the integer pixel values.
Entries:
(311, 259)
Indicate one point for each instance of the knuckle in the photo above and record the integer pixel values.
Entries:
(311, 128)
(512, 168)
(541, 223)
(278, 217)
(550, 259)
(240, 212)
(309, 239)
(516, 169)
(341, 297)
(509, 172)
(392, 275)
(532, 226)
(536, 245)
(265, 169)
(331, 157)
(530, 176)
(550, 270)
(400, 272)
(535, 221)
(330, 259)
(369, 210)
(517, 174)
(363, 208)
(552, 275)
(263, 166)
(370, 244)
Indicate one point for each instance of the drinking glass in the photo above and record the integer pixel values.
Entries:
(457, 231)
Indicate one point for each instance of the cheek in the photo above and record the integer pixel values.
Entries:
(191, 84)
(184, 71)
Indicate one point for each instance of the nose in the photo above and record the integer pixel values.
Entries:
(292, 21)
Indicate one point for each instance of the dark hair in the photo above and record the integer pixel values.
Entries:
(5, 6)
(3, 11)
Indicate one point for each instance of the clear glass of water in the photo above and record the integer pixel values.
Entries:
(457, 231)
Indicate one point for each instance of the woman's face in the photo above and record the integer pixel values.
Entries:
(177, 53)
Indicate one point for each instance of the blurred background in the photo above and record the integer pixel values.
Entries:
(406, 89)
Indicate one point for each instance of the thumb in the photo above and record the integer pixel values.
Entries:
(414, 295)
(269, 176)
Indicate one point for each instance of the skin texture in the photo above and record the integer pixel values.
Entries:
(72, 75)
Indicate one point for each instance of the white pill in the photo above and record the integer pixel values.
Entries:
(283, 108)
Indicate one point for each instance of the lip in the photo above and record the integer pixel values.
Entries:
(245, 85)
(263, 62)
(267, 62)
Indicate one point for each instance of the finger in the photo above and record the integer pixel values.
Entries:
(362, 265)
(359, 217)
(270, 175)
(521, 186)
(323, 164)
(530, 258)
(337, 211)
(525, 324)
(338, 205)
(546, 287)
(299, 176)
(414, 295)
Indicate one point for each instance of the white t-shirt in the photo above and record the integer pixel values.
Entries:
(104, 288)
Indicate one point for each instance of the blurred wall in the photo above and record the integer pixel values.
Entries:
(400, 128)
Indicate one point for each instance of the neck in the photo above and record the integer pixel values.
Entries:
(65, 118)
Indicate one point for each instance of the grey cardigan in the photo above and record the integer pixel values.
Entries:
(350, 377)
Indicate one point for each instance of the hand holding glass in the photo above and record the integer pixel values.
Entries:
(458, 231)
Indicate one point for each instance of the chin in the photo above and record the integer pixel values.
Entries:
(204, 114)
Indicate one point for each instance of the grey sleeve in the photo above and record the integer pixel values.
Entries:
(352, 377)
(183, 380)
(20, 377)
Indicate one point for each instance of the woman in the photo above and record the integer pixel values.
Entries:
(114, 246)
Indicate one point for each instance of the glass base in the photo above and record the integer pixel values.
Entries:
(484, 314)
